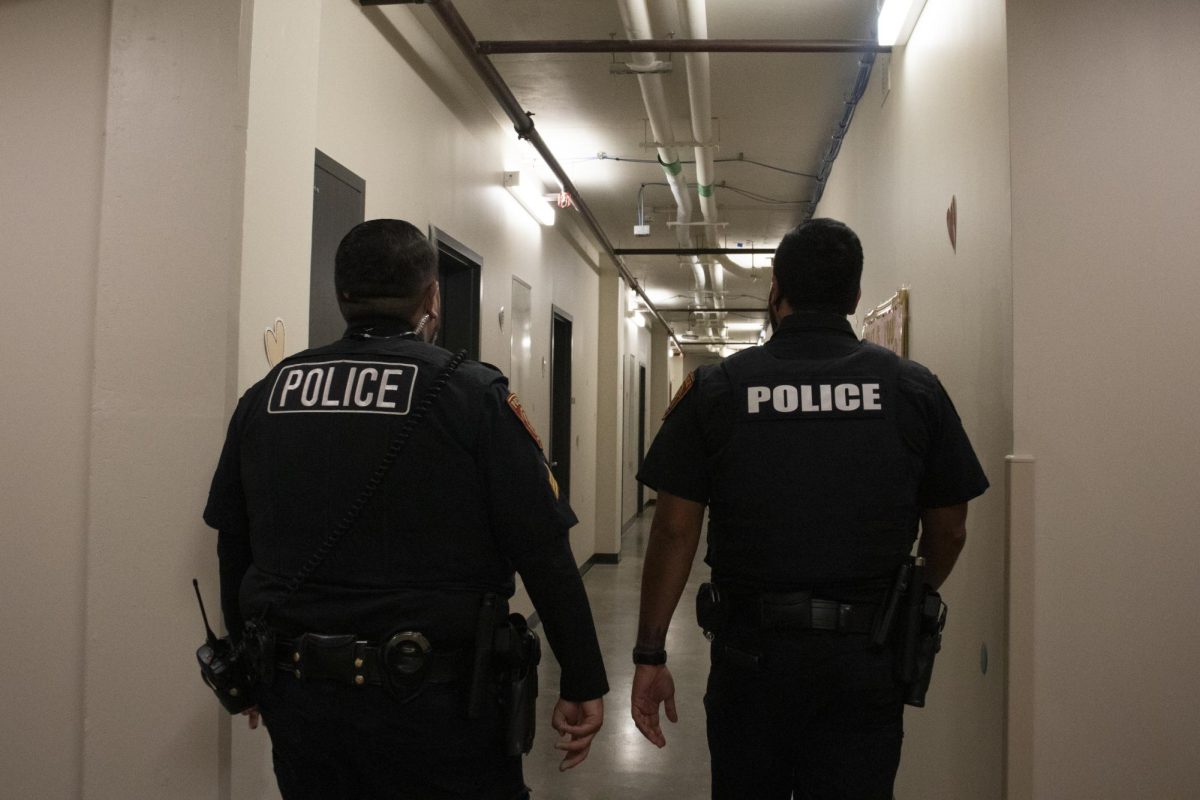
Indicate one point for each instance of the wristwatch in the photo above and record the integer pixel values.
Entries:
(648, 657)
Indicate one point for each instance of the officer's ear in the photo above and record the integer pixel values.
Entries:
(432, 301)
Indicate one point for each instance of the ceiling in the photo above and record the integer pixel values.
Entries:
(777, 109)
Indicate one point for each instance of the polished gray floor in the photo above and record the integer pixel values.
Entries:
(622, 764)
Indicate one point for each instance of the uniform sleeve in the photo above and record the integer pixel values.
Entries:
(676, 462)
(953, 474)
(226, 507)
(530, 522)
(226, 511)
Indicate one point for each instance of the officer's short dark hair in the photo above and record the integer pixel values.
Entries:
(382, 260)
(818, 266)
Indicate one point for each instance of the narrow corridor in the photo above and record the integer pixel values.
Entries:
(622, 764)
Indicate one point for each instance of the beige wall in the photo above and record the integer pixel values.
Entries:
(424, 163)
(51, 155)
(163, 371)
(610, 412)
(636, 343)
(1105, 175)
(942, 132)
(121, 187)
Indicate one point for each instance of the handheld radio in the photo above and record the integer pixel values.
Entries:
(223, 667)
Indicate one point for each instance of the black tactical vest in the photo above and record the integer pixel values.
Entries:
(316, 429)
(815, 477)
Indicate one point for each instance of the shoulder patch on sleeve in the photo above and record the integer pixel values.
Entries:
(515, 405)
(687, 385)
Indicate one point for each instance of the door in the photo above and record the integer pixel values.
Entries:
(561, 400)
(520, 343)
(641, 435)
(459, 270)
(339, 203)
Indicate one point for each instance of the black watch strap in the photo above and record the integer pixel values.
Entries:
(648, 657)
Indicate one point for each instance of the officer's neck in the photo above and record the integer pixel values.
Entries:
(379, 325)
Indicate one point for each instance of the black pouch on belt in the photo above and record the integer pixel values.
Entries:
(519, 651)
(712, 610)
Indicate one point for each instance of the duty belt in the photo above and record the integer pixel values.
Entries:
(800, 611)
(345, 659)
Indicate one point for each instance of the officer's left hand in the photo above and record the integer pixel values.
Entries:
(578, 724)
(254, 716)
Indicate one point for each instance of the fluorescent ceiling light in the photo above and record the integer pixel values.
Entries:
(532, 198)
(897, 19)
(660, 296)
(750, 260)
(745, 326)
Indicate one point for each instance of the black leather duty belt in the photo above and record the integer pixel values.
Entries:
(345, 659)
(783, 611)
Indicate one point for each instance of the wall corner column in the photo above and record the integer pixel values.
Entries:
(608, 414)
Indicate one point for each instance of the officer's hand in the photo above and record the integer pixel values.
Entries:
(652, 685)
(577, 723)
(254, 716)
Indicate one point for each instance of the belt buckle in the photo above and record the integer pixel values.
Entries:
(792, 611)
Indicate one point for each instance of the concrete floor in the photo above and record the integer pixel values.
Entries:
(622, 764)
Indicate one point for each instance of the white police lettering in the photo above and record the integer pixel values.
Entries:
(827, 399)
(369, 387)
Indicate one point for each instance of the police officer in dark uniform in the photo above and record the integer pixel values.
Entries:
(818, 456)
(373, 687)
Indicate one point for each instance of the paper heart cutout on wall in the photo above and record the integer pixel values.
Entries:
(952, 222)
(274, 342)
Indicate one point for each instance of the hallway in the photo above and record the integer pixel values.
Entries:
(622, 763)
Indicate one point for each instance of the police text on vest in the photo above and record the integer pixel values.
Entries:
(370, 387)
(824, 399)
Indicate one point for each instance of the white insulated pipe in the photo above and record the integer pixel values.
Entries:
(635, 16)
(693, 22)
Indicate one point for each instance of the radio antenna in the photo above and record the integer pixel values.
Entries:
(212, 637)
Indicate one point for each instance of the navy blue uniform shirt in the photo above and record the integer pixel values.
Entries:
(815, 453)
(470, 499)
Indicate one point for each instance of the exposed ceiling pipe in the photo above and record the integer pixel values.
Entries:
(528, 46)
(693, 25)
(635, 16)
(522, 121)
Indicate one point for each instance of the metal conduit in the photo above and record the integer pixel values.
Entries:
(457, 28)
(865, 65)
(526, 46)
(695, 251)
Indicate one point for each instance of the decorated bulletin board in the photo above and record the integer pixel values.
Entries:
(887, 324)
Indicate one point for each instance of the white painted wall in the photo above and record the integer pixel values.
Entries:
(51, 154)
(610, 411)
(636, 346)
(120, 178)
(163, 370)
(422, 161)
(1105, 100)
(943, 132)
